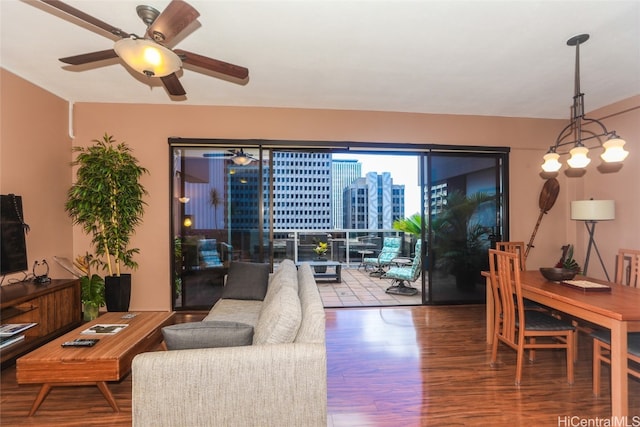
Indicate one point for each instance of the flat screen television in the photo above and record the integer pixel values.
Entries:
(13, 245)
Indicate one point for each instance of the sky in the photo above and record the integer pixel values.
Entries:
(403, 169)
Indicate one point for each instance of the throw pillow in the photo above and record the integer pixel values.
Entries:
(207, 335)
(246, 280)
(279, 321)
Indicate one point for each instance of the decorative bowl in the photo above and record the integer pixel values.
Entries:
(558, 274)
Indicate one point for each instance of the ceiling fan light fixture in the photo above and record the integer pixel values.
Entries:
(147, 57)
(241, 159)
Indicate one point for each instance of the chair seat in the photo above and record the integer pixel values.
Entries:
(400, 273)
(537, 321)
(633, 340)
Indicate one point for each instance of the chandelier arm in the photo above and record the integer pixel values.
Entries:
(574, 133)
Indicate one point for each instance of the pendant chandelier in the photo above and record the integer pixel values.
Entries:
(583, 134)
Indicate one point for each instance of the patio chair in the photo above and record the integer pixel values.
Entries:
(518, 328)
(390, 250)
(208, 255)
(402, 276)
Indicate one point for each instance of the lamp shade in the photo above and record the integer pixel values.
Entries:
(551, 163)
(579, 157)
(614, 150)
(148, 57)
(593, 210)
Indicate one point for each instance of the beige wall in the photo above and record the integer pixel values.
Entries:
(34, 163)
(147, 127)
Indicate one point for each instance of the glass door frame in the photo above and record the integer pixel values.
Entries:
(423, 151)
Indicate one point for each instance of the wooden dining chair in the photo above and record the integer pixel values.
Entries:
(602, 354)
(627, 266)
(519, 328)
(519, 248)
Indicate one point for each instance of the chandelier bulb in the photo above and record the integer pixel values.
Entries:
(614, 150)
(551, 163)
(579, 158)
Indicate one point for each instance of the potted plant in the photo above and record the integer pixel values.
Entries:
(91, 286)
(106, 201)
(321, 250)
(412, 226)
(567, 261)
(460, 239)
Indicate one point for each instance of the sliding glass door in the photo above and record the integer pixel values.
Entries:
(216, 218)
(463, 196)
(264, 202)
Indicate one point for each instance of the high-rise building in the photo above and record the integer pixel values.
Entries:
(373, 202)
(301, 190)
(343, 173)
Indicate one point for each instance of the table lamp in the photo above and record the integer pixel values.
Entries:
(592, 211)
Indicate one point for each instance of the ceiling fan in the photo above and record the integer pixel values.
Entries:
(149, 54)
(237, 156)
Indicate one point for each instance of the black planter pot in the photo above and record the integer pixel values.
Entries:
(117, 292)
(320, 268)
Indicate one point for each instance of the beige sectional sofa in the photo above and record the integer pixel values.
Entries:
(280, 379)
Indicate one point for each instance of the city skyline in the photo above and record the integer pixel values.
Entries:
(403, 169)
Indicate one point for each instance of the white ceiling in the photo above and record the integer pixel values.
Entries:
(503, 58)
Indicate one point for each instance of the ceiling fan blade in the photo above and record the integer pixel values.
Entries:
(173, 85)
(212, 64)
(86, 17)
(86, 58)
(173, 19)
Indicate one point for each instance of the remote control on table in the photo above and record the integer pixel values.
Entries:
(80, 343)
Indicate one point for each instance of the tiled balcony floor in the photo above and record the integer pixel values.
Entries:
(358, 289)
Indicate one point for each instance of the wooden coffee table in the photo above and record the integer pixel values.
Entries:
(109, 360)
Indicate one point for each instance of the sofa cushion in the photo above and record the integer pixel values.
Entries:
(280, 319)
(207, 335)
(246, 280)
(285, 275)
(235, 310)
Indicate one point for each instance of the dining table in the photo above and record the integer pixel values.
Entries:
(616, 308)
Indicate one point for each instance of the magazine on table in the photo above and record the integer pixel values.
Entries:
(6, 341)
(105, 329)
(11, 329)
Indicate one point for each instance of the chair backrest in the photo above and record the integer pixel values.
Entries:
(416, 267)
(516, 247)
(390, 249)
(504, 272)
(208, 255)
(628, 267)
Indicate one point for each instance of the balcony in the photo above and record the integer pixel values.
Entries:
(357, 288)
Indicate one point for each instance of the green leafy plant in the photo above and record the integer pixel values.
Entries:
(411, 225)
(460, 239)
(106, 200)
(568, 262)
(91, 285)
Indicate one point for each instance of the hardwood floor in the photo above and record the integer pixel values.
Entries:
(390, 366)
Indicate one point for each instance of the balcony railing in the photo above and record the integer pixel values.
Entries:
(345, 246)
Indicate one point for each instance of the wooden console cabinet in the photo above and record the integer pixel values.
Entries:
(54, 306)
